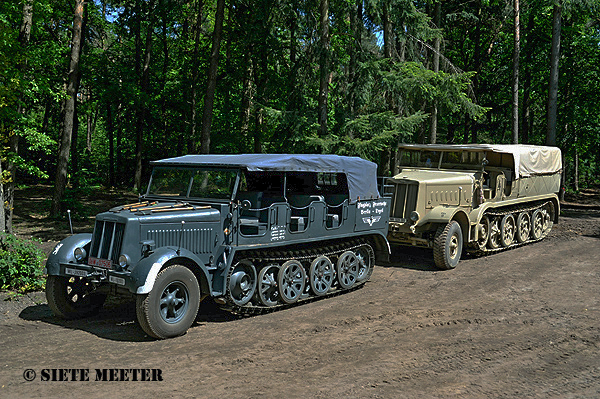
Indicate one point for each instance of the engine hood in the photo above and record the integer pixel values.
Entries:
(434, 177)
(161, 212)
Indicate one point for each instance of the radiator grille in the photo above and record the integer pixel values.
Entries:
(404, 200)
(107, 240)
(196, 240)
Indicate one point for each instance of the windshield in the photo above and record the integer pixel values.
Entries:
(450, 159)
(193, 183)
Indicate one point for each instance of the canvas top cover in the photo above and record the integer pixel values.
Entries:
(529, 160)
(361, 174)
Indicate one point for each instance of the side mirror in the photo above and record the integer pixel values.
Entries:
(246, 204)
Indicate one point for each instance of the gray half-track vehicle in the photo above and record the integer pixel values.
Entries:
(254, 232)
(479, 197)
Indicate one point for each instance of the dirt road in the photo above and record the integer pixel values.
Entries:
(519, 323)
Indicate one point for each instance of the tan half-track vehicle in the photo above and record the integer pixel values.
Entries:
(481, 198)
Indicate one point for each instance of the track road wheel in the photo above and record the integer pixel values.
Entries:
(72, 297)
(537, 224)
(366, 262)
(495, 232)
(548, 212)
(447, 246)
(523, 227)
(347, 269)
(484, 232)
(321, 275)
(267, 292)
(508, 230)
(172, 305)
(292, 280)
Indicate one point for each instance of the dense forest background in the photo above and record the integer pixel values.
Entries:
(90, 92)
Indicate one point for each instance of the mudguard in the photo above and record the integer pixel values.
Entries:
(63, 252)
(382, 246)
(145, 272)
(440, 214)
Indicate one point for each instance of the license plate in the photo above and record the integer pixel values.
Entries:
(116, 280)
(75, 272)
(106, 263)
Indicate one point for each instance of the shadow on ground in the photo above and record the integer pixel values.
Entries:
(413, 258)
(117, 320)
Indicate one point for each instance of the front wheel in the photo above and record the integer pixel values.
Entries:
(172, 305)
(72, 297)
(447, 246)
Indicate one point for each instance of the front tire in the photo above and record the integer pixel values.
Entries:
(172, 305)
(447, 246)
(72, 297)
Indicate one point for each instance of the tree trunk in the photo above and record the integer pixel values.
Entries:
(477, 61)
(247, 94)
(261, 77)
(356, 25)
(119, 145)
(553, 82)
(515, 75)
(89, 132)
(141, 111)
(69, 111)
(385, 154)
(7, 197)
(91, 117)
(2, 211)
(526, 109)
(258, 126)
(47, 111)
(293, 77)
(110, 132)
(209, 99)
(25, 30)
(437, 19)
(192, 140)
(387, 31)
(324, 66)
(74, 140)
(576, 171)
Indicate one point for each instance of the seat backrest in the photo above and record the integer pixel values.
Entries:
(334, 200)
(302, 200)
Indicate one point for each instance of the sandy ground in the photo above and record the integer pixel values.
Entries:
(519, 323)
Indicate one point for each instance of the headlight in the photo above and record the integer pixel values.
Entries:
(123, 260)
(79, 254)
(414, 216)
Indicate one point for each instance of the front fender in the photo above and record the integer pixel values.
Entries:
(63, 252)
(439, 214)
(145, 272)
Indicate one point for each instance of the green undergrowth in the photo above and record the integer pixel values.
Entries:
(21, 268)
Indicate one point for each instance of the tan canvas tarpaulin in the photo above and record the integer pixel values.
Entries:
(528, 159)
(531, 159)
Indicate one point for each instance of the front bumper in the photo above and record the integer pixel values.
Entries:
(99, 275)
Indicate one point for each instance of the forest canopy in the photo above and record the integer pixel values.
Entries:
(90, 92)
